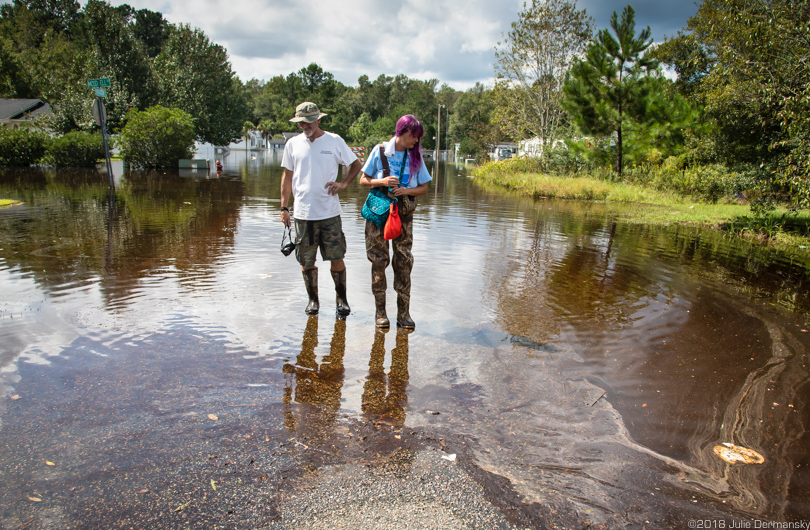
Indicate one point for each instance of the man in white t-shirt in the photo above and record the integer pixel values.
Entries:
(311, 162)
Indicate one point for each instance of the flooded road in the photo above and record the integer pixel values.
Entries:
(592, 363)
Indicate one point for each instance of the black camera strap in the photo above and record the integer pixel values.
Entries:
(287, 234)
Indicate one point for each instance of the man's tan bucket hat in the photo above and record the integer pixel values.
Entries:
(308, 112)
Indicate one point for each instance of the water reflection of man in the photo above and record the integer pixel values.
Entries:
(311, 161)
(317, 385)
(378, 401)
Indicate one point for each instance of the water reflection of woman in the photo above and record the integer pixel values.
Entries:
(386, 397)
(409, 179)
(314, 384)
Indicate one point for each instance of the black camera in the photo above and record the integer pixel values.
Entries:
(287, 248)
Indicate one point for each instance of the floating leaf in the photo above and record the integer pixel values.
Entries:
(143, 491)
(35, 499)
(182, 506)
(213, 485)
(48, 462)
(213, 417)
(451, 458)
(734, 454)
(15, 397)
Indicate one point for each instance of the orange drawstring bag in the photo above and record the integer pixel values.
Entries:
(393, 225)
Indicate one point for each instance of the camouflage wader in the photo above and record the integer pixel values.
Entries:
(377, 253)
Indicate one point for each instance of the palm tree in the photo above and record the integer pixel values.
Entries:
(266, 129)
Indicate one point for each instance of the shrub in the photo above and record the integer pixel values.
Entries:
(75, 149)
(21, 147)
(157, 137)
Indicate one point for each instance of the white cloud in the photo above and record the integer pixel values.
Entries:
(450, 40)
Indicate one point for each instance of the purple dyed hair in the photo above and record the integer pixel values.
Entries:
(409, 123)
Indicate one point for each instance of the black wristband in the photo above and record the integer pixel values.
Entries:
(285, 209)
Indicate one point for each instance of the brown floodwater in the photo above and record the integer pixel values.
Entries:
(596, 364)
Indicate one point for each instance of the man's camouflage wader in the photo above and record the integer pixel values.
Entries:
(377, 252)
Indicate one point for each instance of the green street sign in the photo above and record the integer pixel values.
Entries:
(98, 83)
(101, 93)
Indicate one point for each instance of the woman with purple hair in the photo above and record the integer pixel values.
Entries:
(408, 179)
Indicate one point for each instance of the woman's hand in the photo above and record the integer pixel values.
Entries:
(400, 190)
(389, 182)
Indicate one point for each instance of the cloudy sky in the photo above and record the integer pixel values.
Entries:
(450, 40)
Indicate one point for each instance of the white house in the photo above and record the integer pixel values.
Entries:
(16, 113)
(533, 148)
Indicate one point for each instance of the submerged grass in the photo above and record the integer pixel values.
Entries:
(782, 228)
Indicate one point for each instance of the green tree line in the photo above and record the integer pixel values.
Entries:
(739, 102)
(50, 48)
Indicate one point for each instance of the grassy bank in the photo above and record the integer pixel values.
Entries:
(781, 227)
(7, 202)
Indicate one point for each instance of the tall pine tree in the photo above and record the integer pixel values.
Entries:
(609, 87)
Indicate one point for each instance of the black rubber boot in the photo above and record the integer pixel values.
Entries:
(311, 281)
(404, 320)
(381, 317)
(343, 308)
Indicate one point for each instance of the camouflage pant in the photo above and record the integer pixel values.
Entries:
(377, 253)
(326, 235)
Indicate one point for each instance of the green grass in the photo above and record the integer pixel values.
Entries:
(7, 202)
(634, 203)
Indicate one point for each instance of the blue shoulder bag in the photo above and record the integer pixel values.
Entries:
(378, 203)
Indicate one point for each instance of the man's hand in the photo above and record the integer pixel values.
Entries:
(334, 187)
(285, 218)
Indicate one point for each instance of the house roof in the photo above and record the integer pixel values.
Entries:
(18, 109)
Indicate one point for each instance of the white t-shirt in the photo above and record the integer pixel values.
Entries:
(313, 165)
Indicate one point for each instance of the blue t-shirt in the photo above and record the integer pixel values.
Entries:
(373, 168)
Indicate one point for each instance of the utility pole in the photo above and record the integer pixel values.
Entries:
(438, 140)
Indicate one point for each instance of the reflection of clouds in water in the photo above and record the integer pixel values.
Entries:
(32, 327)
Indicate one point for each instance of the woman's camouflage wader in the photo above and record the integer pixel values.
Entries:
(377, 252)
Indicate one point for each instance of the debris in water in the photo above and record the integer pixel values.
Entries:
(734, 454)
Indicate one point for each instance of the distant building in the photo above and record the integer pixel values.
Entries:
(533, 148)
(16, 113)
(276, 143)
(254, 141)
(503, 151)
